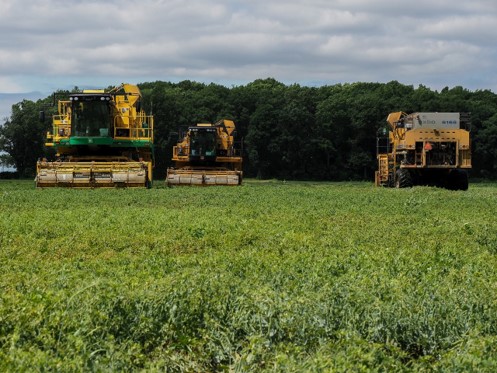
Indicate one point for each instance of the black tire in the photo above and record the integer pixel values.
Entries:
(458, 180)
(403, 178)
(463, 180)
(148, 183)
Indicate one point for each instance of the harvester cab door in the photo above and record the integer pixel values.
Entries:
(90, 116)
(203, 143)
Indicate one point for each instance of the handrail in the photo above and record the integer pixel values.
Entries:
(144, 131)
(61, 127)
(139, 128)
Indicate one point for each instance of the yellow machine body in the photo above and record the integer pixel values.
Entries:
(425, 149)
(102, 139)
(206, 155)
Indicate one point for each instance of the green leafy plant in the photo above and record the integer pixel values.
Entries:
(269, 276)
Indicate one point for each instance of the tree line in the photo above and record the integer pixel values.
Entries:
(287, 131)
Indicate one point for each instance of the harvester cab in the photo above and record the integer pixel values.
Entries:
(202, 144)
(90, 115)
(102, 139)
(206, 155)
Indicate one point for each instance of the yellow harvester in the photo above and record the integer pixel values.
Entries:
(206, 155)
(424, 149)
(102, 139)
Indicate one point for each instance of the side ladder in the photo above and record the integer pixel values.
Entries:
(385, 165)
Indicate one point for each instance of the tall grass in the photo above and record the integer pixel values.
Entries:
(263, 277)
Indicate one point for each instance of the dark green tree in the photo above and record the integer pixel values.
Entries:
(291, 132)
(486, 155)
(23, 136)
(262, 136)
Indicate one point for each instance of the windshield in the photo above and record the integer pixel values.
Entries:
(203, 143)
(91, 118)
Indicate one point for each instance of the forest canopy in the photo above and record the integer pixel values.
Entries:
(288, 131)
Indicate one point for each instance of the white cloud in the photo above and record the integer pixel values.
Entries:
(430, 42)
(9, 84)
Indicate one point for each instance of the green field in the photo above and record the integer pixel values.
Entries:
(269, 276)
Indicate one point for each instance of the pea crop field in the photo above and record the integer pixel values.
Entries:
(267, 276)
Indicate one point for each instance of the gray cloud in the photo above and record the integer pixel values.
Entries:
(51, 44)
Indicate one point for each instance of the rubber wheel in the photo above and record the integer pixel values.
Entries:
(403, 178)
(148, 183)
(463, 180)
(458, 180)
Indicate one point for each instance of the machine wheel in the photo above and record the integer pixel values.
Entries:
(463, 180)
(403, 178)
(458, 180)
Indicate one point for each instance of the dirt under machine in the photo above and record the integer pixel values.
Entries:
(424, 149)
(102, 139)
(206, 155)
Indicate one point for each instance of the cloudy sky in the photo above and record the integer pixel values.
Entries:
(47, 45)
